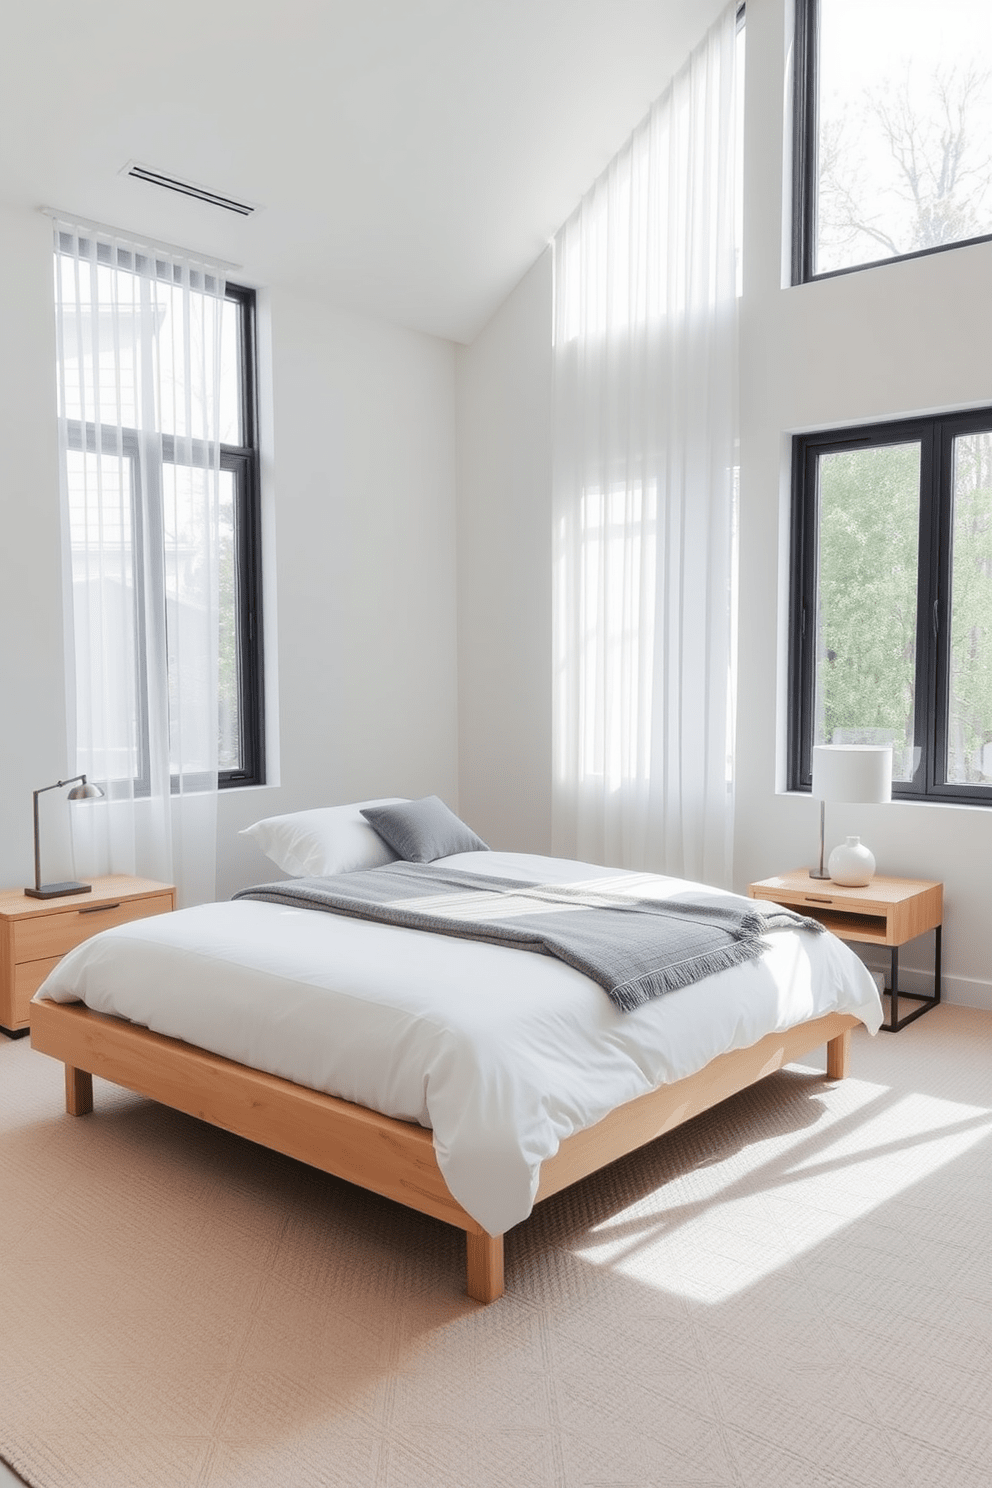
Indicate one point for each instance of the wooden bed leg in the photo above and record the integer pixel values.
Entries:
(838, 1055)
(78, 1091)
(485, 1266)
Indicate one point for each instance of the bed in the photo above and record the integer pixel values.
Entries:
(465, 1079)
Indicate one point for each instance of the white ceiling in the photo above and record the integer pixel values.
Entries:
(412, 157)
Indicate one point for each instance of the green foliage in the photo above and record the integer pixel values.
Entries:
(866, 654)
(867, 620)
(970, 712)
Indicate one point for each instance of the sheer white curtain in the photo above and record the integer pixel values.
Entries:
(645, 489)
(139, 362)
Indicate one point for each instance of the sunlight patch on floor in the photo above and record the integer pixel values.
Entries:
(718, 1229)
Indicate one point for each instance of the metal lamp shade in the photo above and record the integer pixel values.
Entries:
(85, 792)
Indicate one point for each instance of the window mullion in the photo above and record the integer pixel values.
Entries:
(804, 611)
(130, 445)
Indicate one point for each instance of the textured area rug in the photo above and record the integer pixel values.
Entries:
(794, 1289)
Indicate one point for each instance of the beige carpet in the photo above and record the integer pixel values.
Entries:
(793, 1291)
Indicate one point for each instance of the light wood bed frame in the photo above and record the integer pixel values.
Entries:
(394, 1158)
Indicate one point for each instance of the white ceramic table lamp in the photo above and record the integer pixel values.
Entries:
(855, 773)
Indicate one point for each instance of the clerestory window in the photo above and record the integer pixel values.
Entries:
(893, 131)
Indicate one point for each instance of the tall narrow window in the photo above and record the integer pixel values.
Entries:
(893, 130)
(160, 516)
(143, 491)
(892, 601)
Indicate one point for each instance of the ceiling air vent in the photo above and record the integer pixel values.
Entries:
(187, 188)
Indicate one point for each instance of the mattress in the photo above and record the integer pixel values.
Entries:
(501, 1052)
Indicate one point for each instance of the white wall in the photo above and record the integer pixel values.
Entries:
(360, 602)
(32, 690)
(504, 557)
(360, 487)
(898, 338)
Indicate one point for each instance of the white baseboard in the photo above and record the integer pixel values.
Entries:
(970, 992)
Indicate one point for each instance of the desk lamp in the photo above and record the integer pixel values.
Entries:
(850, 772)
(81, 792)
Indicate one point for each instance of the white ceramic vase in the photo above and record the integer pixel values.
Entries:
(851, 864)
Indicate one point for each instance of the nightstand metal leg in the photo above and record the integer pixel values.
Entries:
(936, 963)
(894, 1022)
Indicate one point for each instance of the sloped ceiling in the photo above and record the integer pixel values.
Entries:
(411, 157)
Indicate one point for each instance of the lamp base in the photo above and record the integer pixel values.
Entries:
(851, 864)
(55, 890)
(815, 873)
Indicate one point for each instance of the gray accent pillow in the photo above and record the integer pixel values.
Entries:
(421, 831)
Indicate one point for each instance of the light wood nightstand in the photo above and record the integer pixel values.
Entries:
(886, 912)
(36, 933)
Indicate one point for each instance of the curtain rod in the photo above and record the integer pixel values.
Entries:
(207, 260)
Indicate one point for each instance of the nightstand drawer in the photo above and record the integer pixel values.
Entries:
(42, 937)
(849, 922)
(28, 977)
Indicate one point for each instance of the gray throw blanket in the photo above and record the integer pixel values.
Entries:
(634, 948)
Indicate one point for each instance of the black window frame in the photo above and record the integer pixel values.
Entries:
(805, 135)
(935, 435)
(242, 461)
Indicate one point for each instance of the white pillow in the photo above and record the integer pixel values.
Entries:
(329, 839)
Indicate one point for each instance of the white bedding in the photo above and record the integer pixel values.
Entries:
(503, 1053)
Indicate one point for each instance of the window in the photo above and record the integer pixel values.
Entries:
(145, 366)
(892, 601)
(893, 123)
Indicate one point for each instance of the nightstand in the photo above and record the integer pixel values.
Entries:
(886, 912)
(36, 933)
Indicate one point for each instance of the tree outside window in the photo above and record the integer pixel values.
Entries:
(894, 130)
(892, 601)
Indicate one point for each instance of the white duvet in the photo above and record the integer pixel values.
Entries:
(501, 1052)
